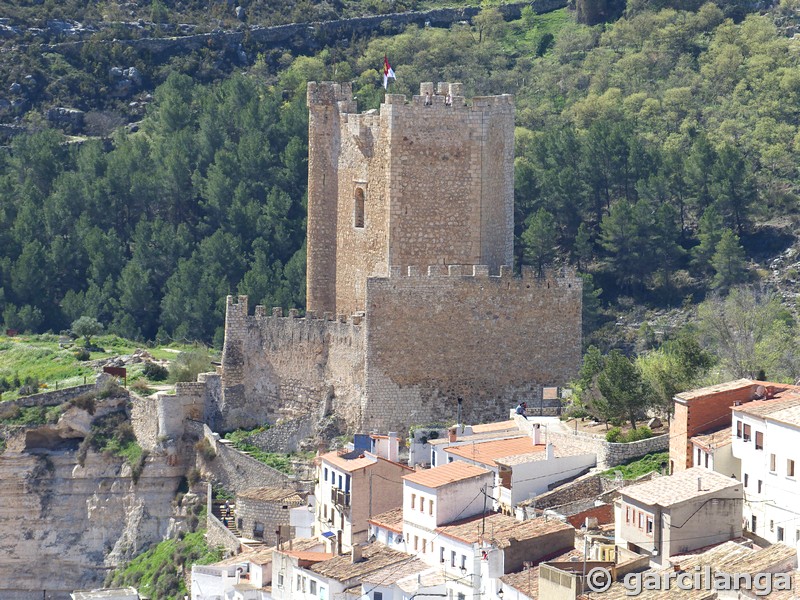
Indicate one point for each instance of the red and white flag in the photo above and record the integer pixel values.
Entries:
(387, 72)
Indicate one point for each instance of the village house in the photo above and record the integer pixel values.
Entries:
(261, 512)
(707, 410)
(766, 438)
(673, 515)
(480, 549)
(351, 487)
(245, 576)
(523, 464)
(715, 451)
(313, 576)
(409, 579)
(730, 559)
(437, 496)
(291, 579)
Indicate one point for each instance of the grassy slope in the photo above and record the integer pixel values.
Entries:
(161, 561)
(41, 356)
(640, 466)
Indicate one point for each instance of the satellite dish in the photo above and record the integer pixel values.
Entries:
(398, 539)
(372, 538)
(761, 392)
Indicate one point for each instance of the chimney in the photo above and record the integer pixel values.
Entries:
(337, 545)
(536, 433)
(451, 434)
(549, 452)
(355, 555)
(699, 484)
(459, 422)
(394, 446)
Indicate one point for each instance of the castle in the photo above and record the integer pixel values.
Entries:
(411, 298)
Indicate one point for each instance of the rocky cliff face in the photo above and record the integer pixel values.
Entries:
(63, 525)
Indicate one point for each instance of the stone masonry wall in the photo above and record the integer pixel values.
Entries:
(284, 437)
(492, 340)
(450, 178)
(51, 398)
(608, 454)
(283, 367)
(271, 515)
(237, 472)
(219, 535)
(419, 183)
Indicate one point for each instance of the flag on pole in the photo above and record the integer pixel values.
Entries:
(387, 72)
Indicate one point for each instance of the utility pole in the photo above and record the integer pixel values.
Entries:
(370, 496)
(483, 515)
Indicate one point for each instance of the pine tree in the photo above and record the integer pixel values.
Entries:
(728, 262)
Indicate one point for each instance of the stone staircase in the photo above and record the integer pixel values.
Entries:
(218, 510)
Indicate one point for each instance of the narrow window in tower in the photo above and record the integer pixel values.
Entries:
(358, 220)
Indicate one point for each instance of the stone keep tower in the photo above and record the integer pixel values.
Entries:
(412, 302)
(413, 185)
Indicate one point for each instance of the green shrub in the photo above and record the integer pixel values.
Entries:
(154, 371)
(615, 435)
(85, 402)
(205, 449)
(640, 433)
(82, 354)
(188, 365)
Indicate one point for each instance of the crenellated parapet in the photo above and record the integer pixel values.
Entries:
(563, 278)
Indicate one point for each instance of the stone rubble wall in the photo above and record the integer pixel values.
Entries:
(219, 535)
(270, 514)
(608, 454)
(236, 471)
(52, 397)
(286, 436)
(277, 367)
(459, 332)
(310, 36)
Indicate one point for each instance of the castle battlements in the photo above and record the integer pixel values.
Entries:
(562, 278)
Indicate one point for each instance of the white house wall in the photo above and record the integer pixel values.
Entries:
(778, 488)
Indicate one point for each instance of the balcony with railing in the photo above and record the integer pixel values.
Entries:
(340, 497)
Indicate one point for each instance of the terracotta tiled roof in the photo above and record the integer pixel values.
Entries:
(487, 452)
(445, 474)
(715, 389)
(730, 558)
(680, 487)
(309, 556)
(709, 441)
(351, 461)
(355, 460)
(391, 520)
(500, 529)
(389, 575)
(373, 558)
(527, 580)
(497, 426)
(269, 494)
(259, 557)
(411, 583)
(488, 435)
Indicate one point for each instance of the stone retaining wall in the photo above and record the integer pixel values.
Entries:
(284, 437)
(312, 36)
(236, 471)
(51, 398)
(219, 535)
(608, 454)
